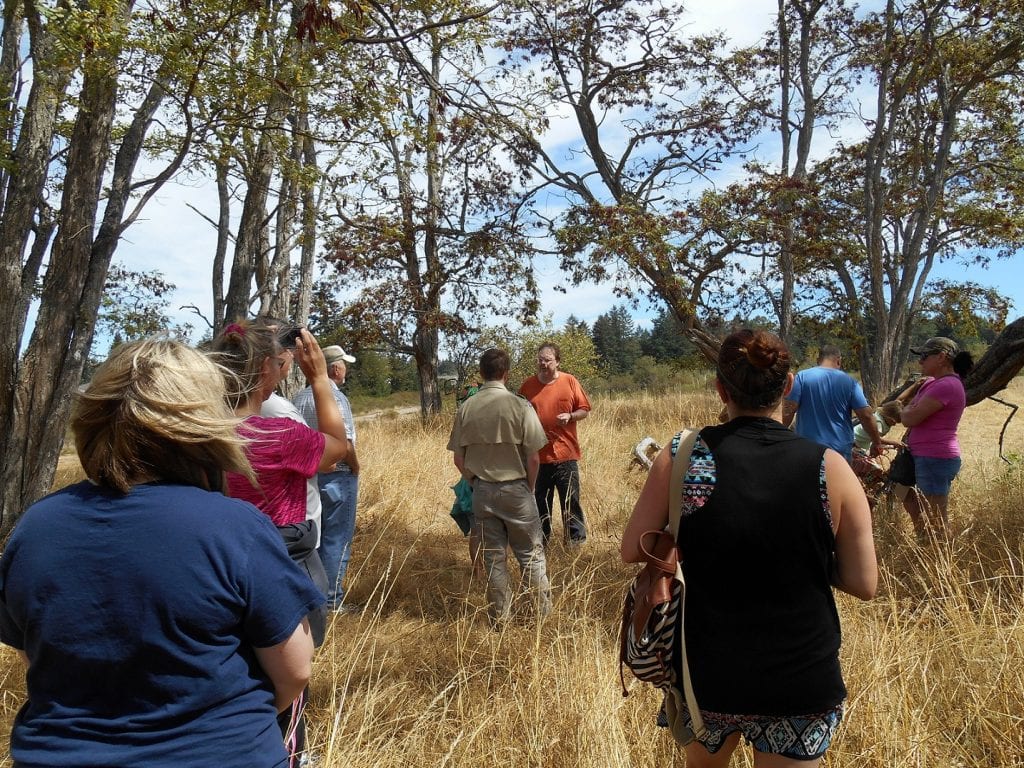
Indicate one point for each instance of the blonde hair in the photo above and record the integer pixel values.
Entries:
(891, 410)
(155, 410)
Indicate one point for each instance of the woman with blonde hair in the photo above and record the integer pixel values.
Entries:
(161, 622)
(283, 454)
(770, 523)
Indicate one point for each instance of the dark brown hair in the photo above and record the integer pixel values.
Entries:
(555, 350)
(753, 366)
(494, 364)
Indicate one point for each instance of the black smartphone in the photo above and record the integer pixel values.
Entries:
(288, 339)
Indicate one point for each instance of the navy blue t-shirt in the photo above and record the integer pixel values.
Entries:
(139, 614)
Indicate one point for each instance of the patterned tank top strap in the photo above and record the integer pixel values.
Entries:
(823, 490)
(699, 479)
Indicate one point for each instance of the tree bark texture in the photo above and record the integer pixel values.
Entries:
(52, 365)
(23, 197)
(1001, 362)
(51, 368)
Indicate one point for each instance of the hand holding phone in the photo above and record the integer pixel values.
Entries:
(288, 339)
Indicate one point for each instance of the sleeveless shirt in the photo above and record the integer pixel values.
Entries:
(762, 630)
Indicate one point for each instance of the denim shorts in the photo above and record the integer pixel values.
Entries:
(934, 476)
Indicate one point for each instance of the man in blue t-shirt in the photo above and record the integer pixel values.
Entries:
(824, 397)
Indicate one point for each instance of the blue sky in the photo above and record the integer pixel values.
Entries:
(174, 239)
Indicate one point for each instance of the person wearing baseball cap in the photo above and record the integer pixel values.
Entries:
(933, 416)
(938, 344)
(339, 487)
(334, 353)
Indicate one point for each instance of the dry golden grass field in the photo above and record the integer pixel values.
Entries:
(934, 665)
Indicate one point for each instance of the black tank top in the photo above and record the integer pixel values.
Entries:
(762, 631)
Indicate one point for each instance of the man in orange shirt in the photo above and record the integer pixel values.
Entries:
(560, 402)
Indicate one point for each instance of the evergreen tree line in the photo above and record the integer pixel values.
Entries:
(631, 357)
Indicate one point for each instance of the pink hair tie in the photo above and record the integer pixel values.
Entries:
(234, 328)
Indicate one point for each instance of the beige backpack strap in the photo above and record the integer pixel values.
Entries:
(681, 463)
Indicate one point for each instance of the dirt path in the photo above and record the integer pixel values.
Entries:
(404, 411)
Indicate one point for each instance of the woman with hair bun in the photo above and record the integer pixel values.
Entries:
(284, 454)
(770, 523)
(162, 623)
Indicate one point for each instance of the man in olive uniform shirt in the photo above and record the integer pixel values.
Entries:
(494, 441)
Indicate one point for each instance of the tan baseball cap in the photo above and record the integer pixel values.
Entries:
(334, 353)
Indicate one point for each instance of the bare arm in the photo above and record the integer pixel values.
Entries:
(904, 396)
(289, 665)
(789, 409)
(578, 415)
(914, 414)
(352, 459)
(650, 513)
(856, 565)
(867, 420)
(328, 415)
(460, 462)
(532, 468)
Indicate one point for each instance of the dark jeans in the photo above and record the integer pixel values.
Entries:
(563, 476)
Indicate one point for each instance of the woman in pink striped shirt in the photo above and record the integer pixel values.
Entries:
(283, 455)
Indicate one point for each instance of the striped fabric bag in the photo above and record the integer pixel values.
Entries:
(652, 615)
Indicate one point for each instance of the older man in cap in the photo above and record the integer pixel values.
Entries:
(339, 488)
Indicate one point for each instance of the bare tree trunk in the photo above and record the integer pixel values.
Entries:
(1001, 362)
(250, 226)
(23, 195)
(908, 74)
(52, 366)
(784, 303)
(426, 339)
(276, 288)
(10, 83)
(425, 345)
(249, 258)
(223, 236)
(304, 296)
(808, 115)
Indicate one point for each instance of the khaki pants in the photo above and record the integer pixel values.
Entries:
(506, 516)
